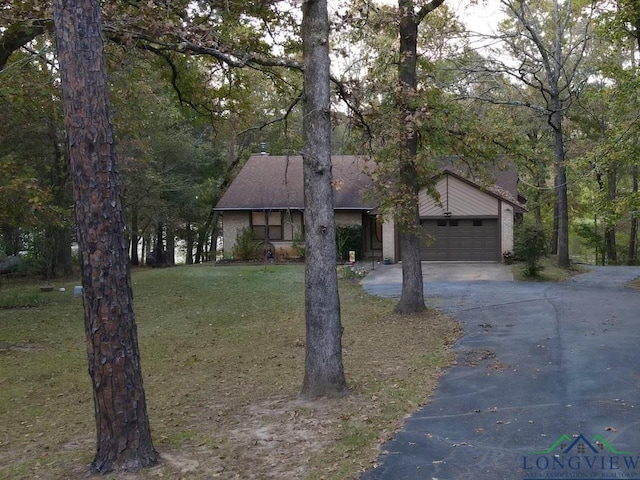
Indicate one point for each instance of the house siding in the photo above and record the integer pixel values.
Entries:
(459, 198)
(292, 224)
(344, 219)
(232, 222)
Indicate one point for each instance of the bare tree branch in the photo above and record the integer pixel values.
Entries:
(184, 45)
(20, 34)
(426, 9)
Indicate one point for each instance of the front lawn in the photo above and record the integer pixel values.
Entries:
(223, 357)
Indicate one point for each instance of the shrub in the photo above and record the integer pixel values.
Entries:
(530, 246)
(299, 245)
(347, 273)
(246, 245)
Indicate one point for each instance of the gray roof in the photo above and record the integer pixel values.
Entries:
(276, 182)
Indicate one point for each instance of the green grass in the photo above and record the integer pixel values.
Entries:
(223, 356)
(551, 272)
(23, 298)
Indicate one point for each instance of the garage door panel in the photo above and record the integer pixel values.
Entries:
(461, 240)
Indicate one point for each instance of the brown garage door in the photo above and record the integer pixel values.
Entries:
(461, 240)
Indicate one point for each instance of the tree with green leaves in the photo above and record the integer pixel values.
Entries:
(123, 432)
(620, 29)
(30, 140)
(548, 39)
(414, 108)
(219, 38)
(411, 14)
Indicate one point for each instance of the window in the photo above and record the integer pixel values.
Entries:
(442, 223)
(267, 225)
(477, 223)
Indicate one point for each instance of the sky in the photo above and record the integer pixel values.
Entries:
(479, 15)
(482, 17)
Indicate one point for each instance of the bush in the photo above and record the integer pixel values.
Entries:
(530, 247)
(347, 273)
(349, 238)
(299, 245)
(246, 245)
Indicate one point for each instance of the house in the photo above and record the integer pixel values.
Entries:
(472, 220)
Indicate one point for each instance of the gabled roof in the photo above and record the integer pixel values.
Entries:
(276, 182)
(498, 180)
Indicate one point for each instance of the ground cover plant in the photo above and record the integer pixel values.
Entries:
(223, 357)
(548, 271)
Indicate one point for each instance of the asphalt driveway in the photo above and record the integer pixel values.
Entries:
(547, 383)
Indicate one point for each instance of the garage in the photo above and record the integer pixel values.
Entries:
(465, 239)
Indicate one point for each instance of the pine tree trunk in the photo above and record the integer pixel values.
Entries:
(123, 434)
(324, 372)
(135, 239)
(159, 252)
(202, 238)
(171, 247)
(412, 296)
(146, 248)
(65, 257)
(189, 253)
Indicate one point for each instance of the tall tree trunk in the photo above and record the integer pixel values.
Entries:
(554, 231)
(135, 239)
(159, 252)
(610, 245)
(202, 238)
(189, 249)
(171, 247)
(412, 296)
(324, 372)
(633, 231)
(146, 248)
(123, 433)
(562, 203)
(557, 114)
(610, 230)
(203, 234)
(64, 258)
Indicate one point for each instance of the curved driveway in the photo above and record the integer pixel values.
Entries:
(547, 382)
